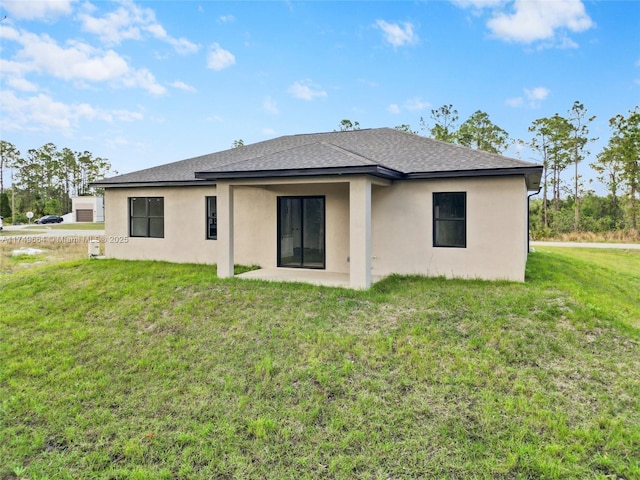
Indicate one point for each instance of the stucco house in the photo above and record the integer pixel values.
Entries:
(357, 205)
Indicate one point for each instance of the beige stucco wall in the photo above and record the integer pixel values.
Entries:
(255, 224)
(401, 231)
(184, 226)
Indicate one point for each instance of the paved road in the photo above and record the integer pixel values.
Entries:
(586, 245)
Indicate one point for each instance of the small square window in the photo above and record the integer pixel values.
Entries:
(146, 217)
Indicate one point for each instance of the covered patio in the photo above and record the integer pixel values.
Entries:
(357, 238)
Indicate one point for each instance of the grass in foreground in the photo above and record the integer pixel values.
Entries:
(69, 226)
(132, 370)
(53, 251)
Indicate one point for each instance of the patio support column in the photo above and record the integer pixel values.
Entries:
(360, 232)
(224, 204)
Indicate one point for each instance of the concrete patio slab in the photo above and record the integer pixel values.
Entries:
(296, 275)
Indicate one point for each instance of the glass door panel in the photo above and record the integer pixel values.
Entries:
(313, 233)
(290, 232)
(301, 236)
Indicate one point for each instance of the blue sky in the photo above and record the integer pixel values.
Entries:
(149, 82)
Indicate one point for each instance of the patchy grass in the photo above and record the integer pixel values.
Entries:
(132, 370)
(12, 233)
(54, 251)
(606, 282)
(614, 236)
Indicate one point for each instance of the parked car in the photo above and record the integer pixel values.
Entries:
(49, 219)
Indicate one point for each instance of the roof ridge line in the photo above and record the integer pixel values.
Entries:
(350, 152)
(255, 157)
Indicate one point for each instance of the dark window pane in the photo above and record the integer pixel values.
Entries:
(139, 207)
(450, 234)
(156, 227)
(139, 227)
(156, 207)
(449, 219)
(450, 206)
(212, 218)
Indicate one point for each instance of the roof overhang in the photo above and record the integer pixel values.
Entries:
(534, 180)
(532, 174)
(184, 183)
(373, 170)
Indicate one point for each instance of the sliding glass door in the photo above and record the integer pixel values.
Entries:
(301, 237)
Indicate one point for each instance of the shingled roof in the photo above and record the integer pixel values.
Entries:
(383, 152)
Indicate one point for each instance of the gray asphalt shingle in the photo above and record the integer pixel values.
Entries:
(386, 147)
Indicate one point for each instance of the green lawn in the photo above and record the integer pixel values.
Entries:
(69, 226)
(39, 229)
(145, 370)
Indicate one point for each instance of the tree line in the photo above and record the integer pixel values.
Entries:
(559, 143)
(45, 180)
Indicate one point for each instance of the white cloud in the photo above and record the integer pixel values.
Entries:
(183, 86)
(537, 94)
(398, 35)
(22, 84)
(8, 67)
(219, 58)
(38, 9)
(306, 90)
(413, 105)
(143, 78)
(40, 53)
(533, 96)
(127, 116)
(121, 24)
(180, 45)
(75, 61)
(416, 104)
(130, 22)
(478, 4)
(270, 106)
(270, 132)
(226, 18)
(44, 112)
(534, 20)
(393, 108)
